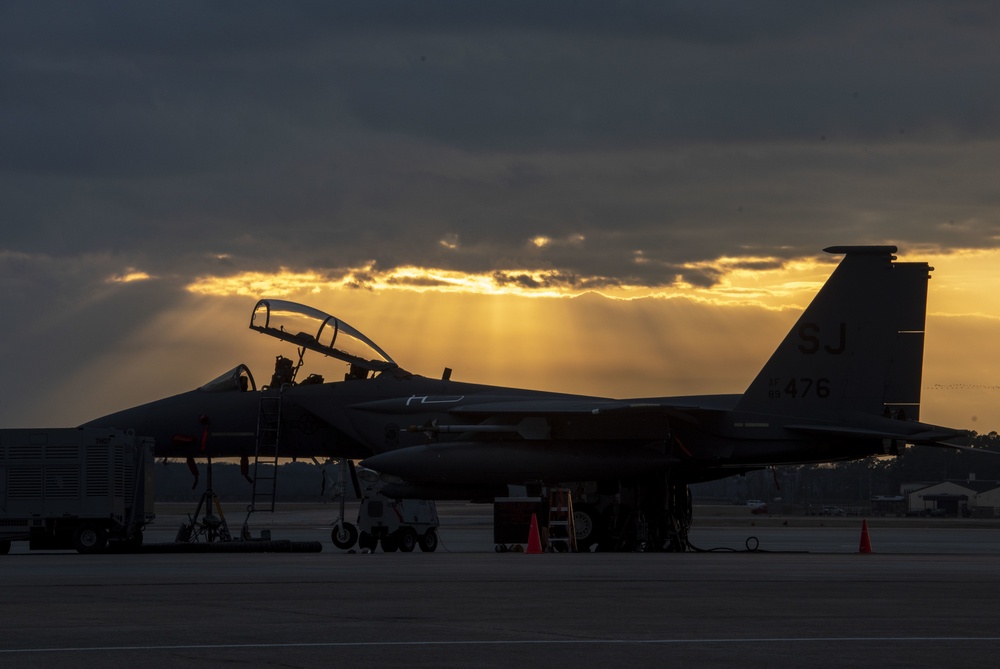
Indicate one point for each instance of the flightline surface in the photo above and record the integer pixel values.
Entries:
(926, 596)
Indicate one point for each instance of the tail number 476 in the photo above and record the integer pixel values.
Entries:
(802, 387)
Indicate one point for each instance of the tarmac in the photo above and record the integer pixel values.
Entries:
(925, 596)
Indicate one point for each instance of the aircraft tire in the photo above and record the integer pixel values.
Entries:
(429, 542)
(587, 521)
(406, 539)
(344, 535)
(90, 539)
(4, 547)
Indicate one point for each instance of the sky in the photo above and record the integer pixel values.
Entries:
(622, 199)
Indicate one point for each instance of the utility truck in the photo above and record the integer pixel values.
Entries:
(74, 488)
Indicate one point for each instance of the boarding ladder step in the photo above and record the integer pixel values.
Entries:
(561, 525)
(265, 463)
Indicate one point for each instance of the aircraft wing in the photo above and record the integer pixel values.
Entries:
(577, 407)
(930, 435)
(501, 439)
(584, 410)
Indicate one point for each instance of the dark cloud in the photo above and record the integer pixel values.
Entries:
(642, 140)
(544, 280)
(323, 135)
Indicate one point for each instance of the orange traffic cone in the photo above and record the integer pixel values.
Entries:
(534, 542)
(866, 542)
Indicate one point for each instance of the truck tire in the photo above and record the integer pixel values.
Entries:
(406, 539)
(90, 539)
(429, 542)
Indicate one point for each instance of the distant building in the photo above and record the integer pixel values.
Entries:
(988, 502)
(954, 498)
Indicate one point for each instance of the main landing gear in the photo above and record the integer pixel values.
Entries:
(651, 515)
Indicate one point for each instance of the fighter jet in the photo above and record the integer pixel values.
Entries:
(844, 383)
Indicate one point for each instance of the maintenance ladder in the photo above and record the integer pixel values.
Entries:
(265, 462)
(561, 525)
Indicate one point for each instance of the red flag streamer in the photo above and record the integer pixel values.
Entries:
(204, 433)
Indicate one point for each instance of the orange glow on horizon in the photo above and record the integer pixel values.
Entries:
(533, 332)
(964, 282)
(778, 286)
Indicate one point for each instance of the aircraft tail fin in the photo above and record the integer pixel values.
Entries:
(858, 347)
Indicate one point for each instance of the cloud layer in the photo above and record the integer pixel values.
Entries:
(146, 149)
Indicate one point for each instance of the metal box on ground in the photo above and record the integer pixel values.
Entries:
(74, 488)
(512, 518)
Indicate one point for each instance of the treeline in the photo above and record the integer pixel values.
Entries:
(856, 482)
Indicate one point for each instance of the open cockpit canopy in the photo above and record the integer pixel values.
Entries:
(317, 331)
(237, 378)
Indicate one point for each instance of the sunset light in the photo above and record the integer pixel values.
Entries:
(129, 276)
(531, 328)
(512, 200)
(567, 257)
(765, 282)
